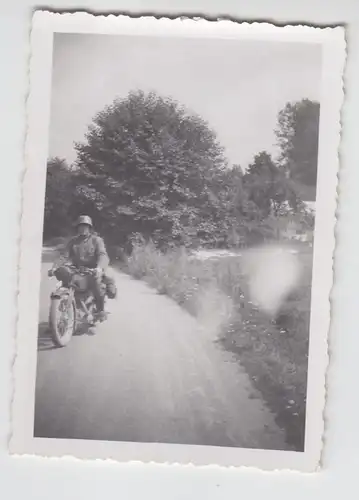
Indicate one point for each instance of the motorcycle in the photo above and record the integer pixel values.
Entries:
(71, 303)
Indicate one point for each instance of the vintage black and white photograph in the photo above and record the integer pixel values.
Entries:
(174, 238)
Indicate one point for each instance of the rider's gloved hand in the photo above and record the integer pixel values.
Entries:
(50, 272)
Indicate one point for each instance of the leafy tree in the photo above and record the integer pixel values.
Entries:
(297, 133)
(59, 196)
(150, 166)
(268, 187)
(239, 213)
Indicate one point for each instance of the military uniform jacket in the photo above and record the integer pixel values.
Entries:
(88, 251)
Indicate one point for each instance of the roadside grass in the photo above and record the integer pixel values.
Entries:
(274, 351)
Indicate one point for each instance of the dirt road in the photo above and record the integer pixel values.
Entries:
(148, 374)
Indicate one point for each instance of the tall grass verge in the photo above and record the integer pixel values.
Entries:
(274, 351)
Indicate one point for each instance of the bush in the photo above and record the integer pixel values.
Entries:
(173, 273)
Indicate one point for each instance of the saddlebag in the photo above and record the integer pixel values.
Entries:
(111, 290)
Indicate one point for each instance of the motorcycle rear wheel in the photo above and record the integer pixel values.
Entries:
(62, 329)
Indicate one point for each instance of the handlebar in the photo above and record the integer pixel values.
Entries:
(80, 270)
(83, 270)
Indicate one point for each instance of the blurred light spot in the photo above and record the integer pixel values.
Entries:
(273, 272)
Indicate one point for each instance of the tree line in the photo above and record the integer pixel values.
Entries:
(149, 166)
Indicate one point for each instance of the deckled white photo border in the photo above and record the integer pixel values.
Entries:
(37, 132)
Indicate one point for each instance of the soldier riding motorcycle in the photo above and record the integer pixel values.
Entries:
(84, 264)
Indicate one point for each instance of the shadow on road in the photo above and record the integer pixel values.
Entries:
(44, 341)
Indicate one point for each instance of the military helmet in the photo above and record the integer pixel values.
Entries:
(84, 219)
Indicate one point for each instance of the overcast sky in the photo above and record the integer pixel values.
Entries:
(237, 86)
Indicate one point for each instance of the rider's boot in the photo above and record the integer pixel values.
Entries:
(101, 316)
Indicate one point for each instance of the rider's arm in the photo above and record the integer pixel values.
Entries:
(102, 257)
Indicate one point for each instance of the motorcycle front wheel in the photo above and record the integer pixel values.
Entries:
(62, 320)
